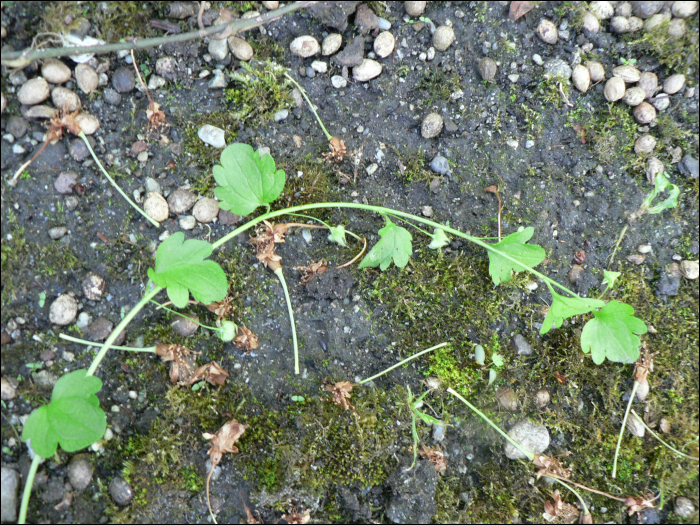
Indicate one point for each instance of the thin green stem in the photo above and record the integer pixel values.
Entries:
(402, 362)
(622, 429)
(661, 440)
(416, 227)
(303, 92)
(111, 180)
(121, 326)
(213, 328)
(528, 454)
(283, 282)
(28, 488)
(571, 489)
(150, 349)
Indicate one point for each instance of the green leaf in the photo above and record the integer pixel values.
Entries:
(661, 183)
(611, 334)
(492, 375)
(564, 307)
(395, 243)
(514, 245)
(246, 180)
(440, 239)
(337, 234)
(609, 278)
(181, 268)
(497, 360)
(72, 419)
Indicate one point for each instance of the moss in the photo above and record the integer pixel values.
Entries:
(679, 55)
(13, 249)
(314, 185)
(610, 128)
(438, 85)
(412, 166)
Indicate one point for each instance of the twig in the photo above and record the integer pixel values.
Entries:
(19, 59)
(13, 181)
(494, 189)
(566, 100)
(303, 92)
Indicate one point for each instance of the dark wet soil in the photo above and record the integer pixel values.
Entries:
(569, 171)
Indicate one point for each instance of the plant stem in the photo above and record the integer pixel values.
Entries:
(150, 349)
(28, 488)
(583, 503)
(303, 92)
(584, 487)
(622, 429)
(121, 326)
(528, 454)
(212, 328)
(402, 362)
(661, 440)
(280, 276)
(617, 245)
(111, 180)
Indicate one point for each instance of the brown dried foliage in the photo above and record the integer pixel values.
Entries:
(266, 236)
(338, 150)
(296, 517)
(312, 270)
(183, 361)
(550, 465)
(342, 394)
(436, 457)
(559, 511)
(246, 339)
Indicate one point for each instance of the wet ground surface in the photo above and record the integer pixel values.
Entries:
(565, 164)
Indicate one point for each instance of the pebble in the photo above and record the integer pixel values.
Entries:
(531, 436)
(522, 347)
(166, 66)
(644, 113)
(547, 32)
(94, 286)
(677, 28)
(674, 84)
(121, 491)
(18, 149)
(55, 71)
(507, 399)
(372, 168)
(414, 8)
(309, 72)
(644, 145)
(63, 310)
(80, 471)
(614, 89)
(338, 82)
(212, 135)
(427, 211)
(487, 68)
(88, 123)
(180, 201)
(331, 44)
(111, 96)
(79, 150)
(634, 96)
(431, 126)
(65, 181)
(65, 99)
(384, 44)
(17, 126)
(156, 207)
(124, 79)
(9, 487)
(661, 102)
(688, 167)
(669, 280)
(514, 77)
(218, 81)
(537, 59)
(45, 380)
(443, 38)
(629, 74)
(142, 157)
(636, 24)
(596, 70)
(241, 49)
(352, 55)
(635, 426)
(319, 66)
(185, 324)
(575, 273)
(271, 5)
(57, 232)
(156, 82)
(655, 22)
(205, 210)
(646, 9)
(304, 46)
(188, 222)
(87, 78)
(682, 506)
(368, 70)
(684, 9)
(281, 115)
(654, 167)
(218, 49)
(34, 91)
(590, 22)
(581, 78)
(84, 319)
(649, 82)
(557, 69)
(383, 24)
(440, 165)
(620, 25)
(689, 269)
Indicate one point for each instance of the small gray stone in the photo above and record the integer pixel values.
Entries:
(522, 347)
(63, 310)
(93, 286)
(185, 324)
(218, 49)
(9, 486)
(218, 81)
(682, 506)
(180, 201)
(188, 222)
(320, 66)
(440, 165)
(57, 232)
(557, 69)
(547, 32)
(55, 71)
(65, 181)
(414, 8)
(124, 79)
(156, 82)
(304, 46)
(166, 66)
(80, 471)
(338, 82)
(384, 24)
(205, 210)
(661, 102)
(310, 72)
(431, 126)
(649, 82)
(79, 150)
(281, 115)
(684, 9)
(487, 68)
(689, 167)
(670, 280)
(111, 96)
(443, 38)
(352, 55)
(646, 8)
(87, 78)
(121, 491)
(152, 184)
(100, 329)
(644, 145)
(212, 135)
(531, 436)
(537, 59)
(16, 126)
(34, 92)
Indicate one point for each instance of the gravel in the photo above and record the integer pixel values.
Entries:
(9, 486)
(212, 135)
(529, 435)
(440, 165)
(124, 80)
(689, 167)
(80, 471)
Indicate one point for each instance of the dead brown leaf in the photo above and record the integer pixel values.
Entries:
(312, 270)
(297, 517)
(436, 457)
(519, 8)
(559, 511)
(182, 368)
(211, 373)
(550, 465)
(338, 150)
(223, 442)
(341, 394)
(639, 503)
(644, 364)
(246, 339)
(266, 236)
(222, 309)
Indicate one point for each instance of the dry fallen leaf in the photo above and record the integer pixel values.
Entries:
(639, 503)
(312, 270)
(436, 457)
(223, 442)
(550, 465)
(211, 372)
(222, 309)
(341, 394)
(338, 150)
(182, 368)
(295, 516)
(559, 510)
(519, 8)
(246, 339)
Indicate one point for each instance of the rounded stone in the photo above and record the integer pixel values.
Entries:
(65, 181)
(440, 165)
(212, 135)
(17, 126)
(487, 68)
(64, 98)
(166, 66)
(55, 71)
(180, 201)
(620, 25)
(156, 207)
(94, 286)
(636, 24)
(111, 96)
(542, 397)
(684, 9)
(188, 222)
(581, 78)
(87, 78)
(690, 269)
(124, 80)
(218, 49)
(414, 8)
(645, 9)
(677, 28)
(241, 49)
(384, 44)
(624, 9)
(596, 70)
(654, 167)
(80, 471)
(368, 70)
(507, 399)
(34, 91)
(331, 44)
(338, 81)
(304, 46)
(590, 22)
(547, 32)
(319, 66)
(614, 89)
(185, 324)
(121, 491)
(674, 84)
(655, 22)
(629, 74)
(431, 126)
(602, 10)
(88, 123)
(531, 436)
(661, 102)
(649, 82)
(644, 145)
(634, 96)
(443, 38)
(644, 113)
(205, 210)
(63, 310)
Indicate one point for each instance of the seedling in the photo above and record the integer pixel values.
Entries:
(226, 332)
(414, 405)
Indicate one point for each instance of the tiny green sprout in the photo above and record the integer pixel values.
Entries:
(227, 331)
(42, 299)
(198, 386)
(440, 239)
(337, 234)
(33, 366)
(25, 175)
(609, 278)
(298, 399)
(479, 355)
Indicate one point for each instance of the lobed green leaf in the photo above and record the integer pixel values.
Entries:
(337, 234)
(514, 245)
(564, 307)
(395, 243)
(612, 334)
